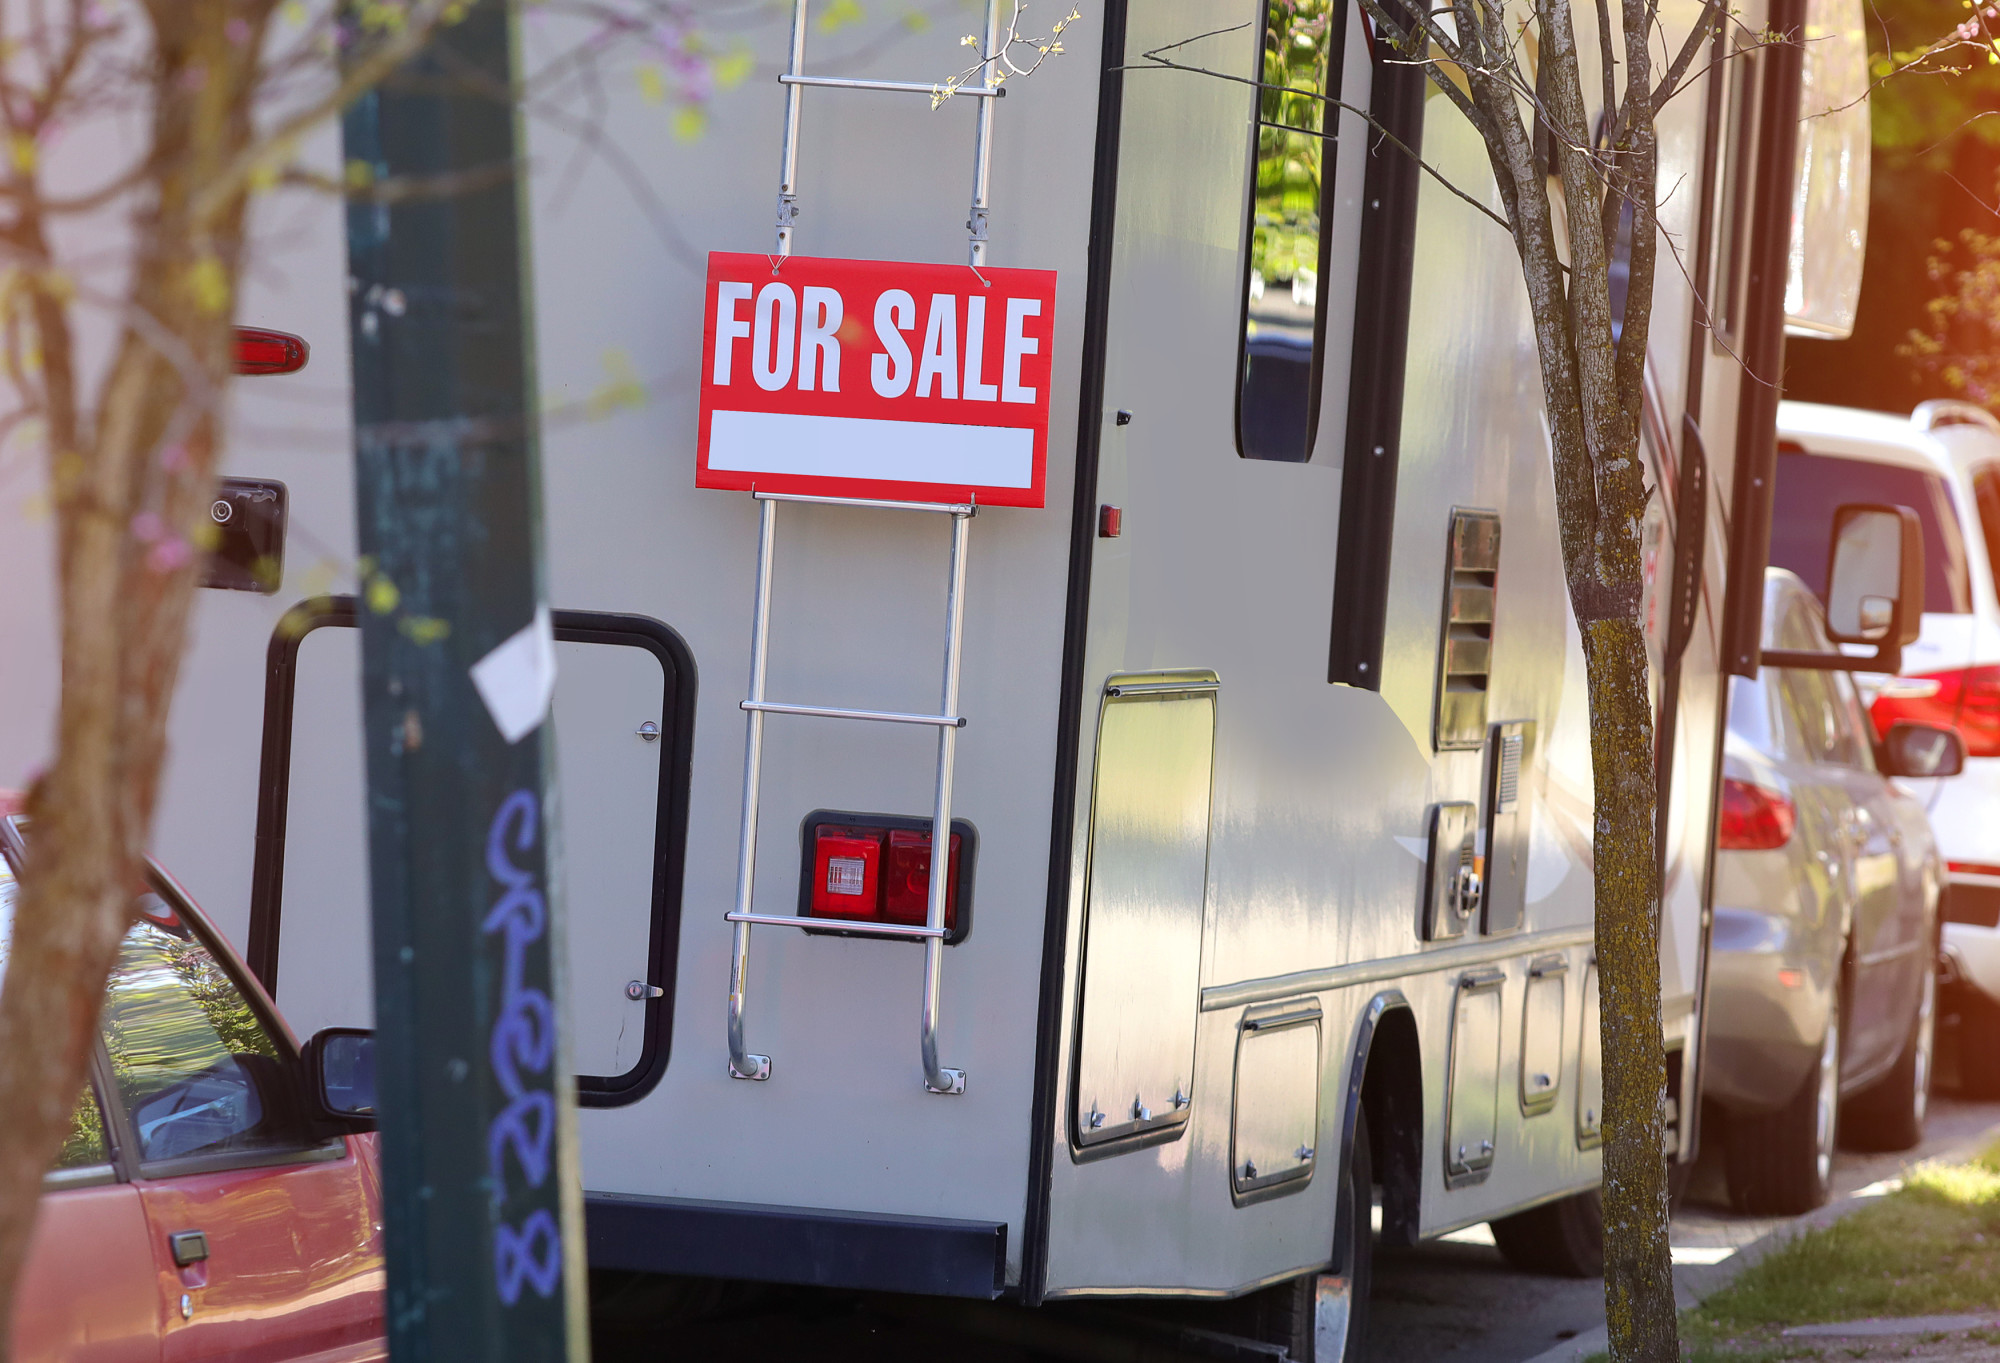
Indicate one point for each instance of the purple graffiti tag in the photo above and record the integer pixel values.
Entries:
(523, 1042)
(515, 1257)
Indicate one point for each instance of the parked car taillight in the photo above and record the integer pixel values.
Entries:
(1966, 699)
(1753, 819)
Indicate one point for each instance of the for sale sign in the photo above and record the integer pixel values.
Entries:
(862, 378)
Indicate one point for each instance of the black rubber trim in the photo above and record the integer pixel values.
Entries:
(1375, 386)
(1690, 560)
(1763, 342)
(1076, 623)
(968, 862)
(1350, 1114)
(861, 1251)
(669, 836)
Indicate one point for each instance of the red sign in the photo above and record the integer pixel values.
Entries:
(863, 378)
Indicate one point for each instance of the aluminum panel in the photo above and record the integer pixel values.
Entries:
(1472, 1114)
(1274, 1122)
(1542, 1035)
(1590, 1067)
(1147, 884)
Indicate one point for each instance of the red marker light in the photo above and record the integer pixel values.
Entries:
(269, 352)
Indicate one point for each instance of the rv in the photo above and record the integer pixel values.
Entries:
(1235, 657)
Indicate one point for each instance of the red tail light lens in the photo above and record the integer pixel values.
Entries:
(879, 874)
(269, 352)
(906, 889)
(1966, 699)
(1753, 819)
(847, 874)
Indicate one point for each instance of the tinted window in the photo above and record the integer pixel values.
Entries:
(1855, 738)
(1986, 495)
(196, 1068)
(85, 1145)
(1282, 325)
(1811, 486)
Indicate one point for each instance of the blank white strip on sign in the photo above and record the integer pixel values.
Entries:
(862, 447)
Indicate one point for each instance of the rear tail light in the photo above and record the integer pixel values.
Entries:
(847, 880)
(1753, 819)
(1966, 699)
(880, 872)
(269, 352)
(1973, 868)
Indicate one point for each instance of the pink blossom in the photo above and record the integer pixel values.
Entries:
(169, 554)
(148, 526)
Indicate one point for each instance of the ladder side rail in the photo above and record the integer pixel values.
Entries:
(982, 145)
(937, 1078)
(742, 1064)
(788, 176)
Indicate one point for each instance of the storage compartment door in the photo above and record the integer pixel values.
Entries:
(1590, 1066)
(1274, 1124)
(1473, 1101)
(1147, 881)
(1542, 1035)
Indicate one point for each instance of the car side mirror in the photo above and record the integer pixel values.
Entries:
(1874, 590)
(1920, 750)
(340, 1065)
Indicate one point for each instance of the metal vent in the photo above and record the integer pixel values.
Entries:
(1504, 874)
(1465, 651)
(1507, 791)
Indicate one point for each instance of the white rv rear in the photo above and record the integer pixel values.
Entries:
(1279, 796)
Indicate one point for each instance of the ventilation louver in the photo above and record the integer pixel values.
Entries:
(1465, 653)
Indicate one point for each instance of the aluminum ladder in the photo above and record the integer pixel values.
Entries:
(743, 1064)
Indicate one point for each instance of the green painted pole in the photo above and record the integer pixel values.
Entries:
(482, 1201)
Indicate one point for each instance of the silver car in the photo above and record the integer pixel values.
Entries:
(1822, 987)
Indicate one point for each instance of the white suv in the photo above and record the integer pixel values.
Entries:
(1943, 461)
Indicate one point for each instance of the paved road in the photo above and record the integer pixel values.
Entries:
(1449, 1301)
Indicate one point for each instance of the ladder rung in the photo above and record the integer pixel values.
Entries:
(879, 716)
(792, 920)
(949, 508)
(899, 87)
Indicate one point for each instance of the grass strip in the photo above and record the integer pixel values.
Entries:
(1931, 1247)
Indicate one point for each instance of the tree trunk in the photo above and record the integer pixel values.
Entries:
(1638, 1274)
(129, 488)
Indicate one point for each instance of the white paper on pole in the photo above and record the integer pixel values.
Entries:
(518, 678)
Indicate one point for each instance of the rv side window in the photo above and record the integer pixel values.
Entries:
(1739, 189)
(1277, 407)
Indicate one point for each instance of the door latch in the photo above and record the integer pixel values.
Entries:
(188, 1246)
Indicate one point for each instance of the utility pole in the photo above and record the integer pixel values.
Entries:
(483, 1207)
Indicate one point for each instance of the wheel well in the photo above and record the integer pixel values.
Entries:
(1392, 1093)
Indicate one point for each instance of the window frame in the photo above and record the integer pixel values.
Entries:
(1335, 54)
(679, 681)
(1737, 199)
